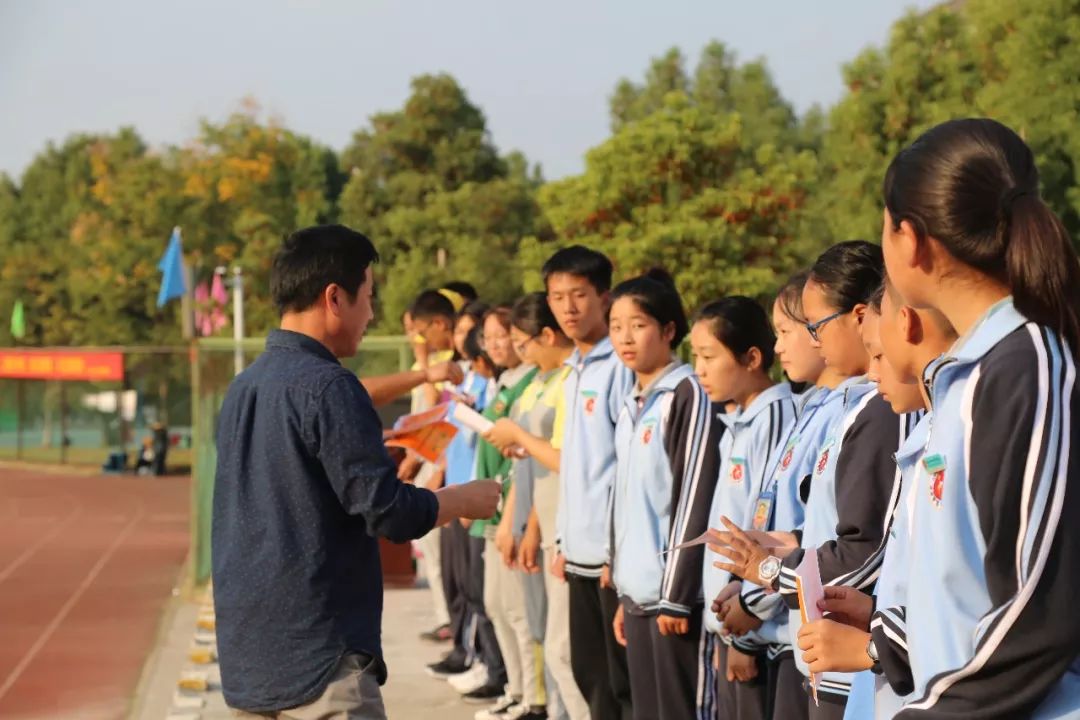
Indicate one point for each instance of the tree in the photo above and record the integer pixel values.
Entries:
(678, 189)
(429, 187)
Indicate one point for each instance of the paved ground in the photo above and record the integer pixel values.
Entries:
(87, 564)
(409, 693)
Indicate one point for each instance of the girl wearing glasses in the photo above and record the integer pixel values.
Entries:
(854, 476)
(667, 463)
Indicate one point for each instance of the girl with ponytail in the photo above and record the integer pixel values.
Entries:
(990, 621)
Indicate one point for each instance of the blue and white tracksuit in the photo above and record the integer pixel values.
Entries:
(593, 395)
(990, 628)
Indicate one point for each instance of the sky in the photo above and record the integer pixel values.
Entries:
(541, 72)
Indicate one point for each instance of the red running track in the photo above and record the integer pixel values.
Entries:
(87, 565)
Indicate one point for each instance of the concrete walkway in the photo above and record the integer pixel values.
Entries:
(409, 693)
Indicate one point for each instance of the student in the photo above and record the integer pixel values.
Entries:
(463, 554)
(901, 341)
(433, 318)
(855, 476)
(536, 335)
(578, 281)
(990, 617)
(733, 345)
(470, 316)
(504, 598)
(666, 444)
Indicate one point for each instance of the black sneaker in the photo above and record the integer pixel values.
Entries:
(534, 714)
(445, 668)
(483, 695)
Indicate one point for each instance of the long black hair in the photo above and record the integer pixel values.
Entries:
(655, 293)
(973, 186)
(790, 296)
(849, 272)
(740, 324)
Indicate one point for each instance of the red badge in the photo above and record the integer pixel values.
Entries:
(937, 487)
(823, 461)
(646, 437)
(590, 405)
(785, 463)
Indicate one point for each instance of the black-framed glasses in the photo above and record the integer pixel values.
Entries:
(519, 348)
(813, 328)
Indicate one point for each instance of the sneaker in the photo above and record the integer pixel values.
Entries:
(483, 694)
(474, 679)
(440, 634)
(446, 668)
(500, 710)
(533, 714)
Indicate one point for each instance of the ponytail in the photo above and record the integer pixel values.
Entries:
(1042, 268)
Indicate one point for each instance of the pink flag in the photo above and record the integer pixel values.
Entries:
(202, 294)
(217, 290)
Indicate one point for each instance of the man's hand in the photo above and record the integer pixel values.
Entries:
(848, 606)
(740, 666)
(744, 553)
(448, 372)
(830, 646)
(558, 566)
(503, 434)
(618, 626)
(605, 577)
(737, 621)
(408, 468)
(730, 590)
(504, 543)
(672, 625)
(530, 548)
(477, 500)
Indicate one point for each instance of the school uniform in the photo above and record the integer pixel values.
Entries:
(666, 443)
(750, 445)
(990, 627)
(593, 394)
(853, 490)
(874, 694)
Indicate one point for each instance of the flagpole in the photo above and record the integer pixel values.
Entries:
(238, 319)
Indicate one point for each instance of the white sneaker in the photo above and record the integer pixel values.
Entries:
(476, 678)
(500, 710)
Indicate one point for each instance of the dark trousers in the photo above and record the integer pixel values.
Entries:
(826, 709)
(454, 562)
(786, 692)
(663, 670)
(598, 662)
(487, 646)
(742, 700)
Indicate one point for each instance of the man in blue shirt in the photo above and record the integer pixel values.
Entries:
(304, 486)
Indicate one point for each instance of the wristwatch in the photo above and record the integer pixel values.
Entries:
(871, 651)
(769, 569)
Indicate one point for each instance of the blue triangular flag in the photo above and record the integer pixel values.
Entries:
(172, 268)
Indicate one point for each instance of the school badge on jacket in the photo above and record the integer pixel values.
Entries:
(590, 401)
(738, 470)
(823, 458)
(935, 470)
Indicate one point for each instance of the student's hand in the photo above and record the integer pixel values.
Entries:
(744, 554)
(530, 548)
(503, 434)
(848, 606)
(409, 467)
(731, 589)
(605, 577)
(740, 666)
(558, 566)
(737, 621)
(448, 372)
(504, 543)
(672, 625)
(830, 646)
(618, 626)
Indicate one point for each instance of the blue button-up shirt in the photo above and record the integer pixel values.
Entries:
(303, 487)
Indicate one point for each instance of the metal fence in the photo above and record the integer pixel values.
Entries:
(82, 422)
(212, 369)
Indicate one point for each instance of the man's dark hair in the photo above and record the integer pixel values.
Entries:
(432, 304)
(312, 258)
(463, 289)
(583, 262)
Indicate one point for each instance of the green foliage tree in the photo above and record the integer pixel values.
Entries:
(439, 201)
